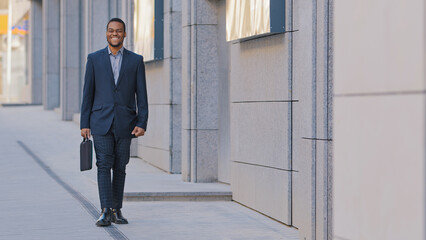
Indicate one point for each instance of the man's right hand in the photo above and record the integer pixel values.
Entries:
(85, 132)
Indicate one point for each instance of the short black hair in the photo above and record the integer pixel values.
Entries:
(117, 20)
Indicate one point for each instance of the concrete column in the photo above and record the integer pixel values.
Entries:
(84, 43)
(323, 120)
(311, 119)
(35, 67)
(50, 54)
(173, 48)
(127, 16)
(186, 90)
(199, 91)
(95, 14)
(94, 17)
(125, 12)
(115, 8)
(99, 15)
(70, 58)
(224, 148)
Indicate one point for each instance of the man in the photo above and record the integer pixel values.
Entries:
(114, 84)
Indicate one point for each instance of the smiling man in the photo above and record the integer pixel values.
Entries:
(114, 109)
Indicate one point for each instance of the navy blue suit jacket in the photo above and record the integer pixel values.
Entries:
(104, 102)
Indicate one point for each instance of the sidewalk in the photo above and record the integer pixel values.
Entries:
(45, 196)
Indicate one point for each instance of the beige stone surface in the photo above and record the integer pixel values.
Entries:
(379, 168)
(253, 187)
(379, 46)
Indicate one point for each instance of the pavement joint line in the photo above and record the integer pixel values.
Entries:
(90, 208)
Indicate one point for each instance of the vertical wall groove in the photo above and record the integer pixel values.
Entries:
(171, 85)
(51, 55)
(188, 97)
(81, 52)
(325, 234)
(290, 87)
(314, 113)
(90, 28)
(195, 92)
(329, 117)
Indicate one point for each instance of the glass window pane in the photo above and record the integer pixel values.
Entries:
(144, 31)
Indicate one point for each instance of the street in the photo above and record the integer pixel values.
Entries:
(45, 196)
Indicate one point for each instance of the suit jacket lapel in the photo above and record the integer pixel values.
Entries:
(109, 67)
(123, 65)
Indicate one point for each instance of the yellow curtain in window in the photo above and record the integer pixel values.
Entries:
(246, 18)
(143, 23)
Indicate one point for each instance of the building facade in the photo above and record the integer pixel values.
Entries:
(379, 187)
(255, 113)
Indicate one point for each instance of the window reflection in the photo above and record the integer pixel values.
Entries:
(246, 18)
(144, 32)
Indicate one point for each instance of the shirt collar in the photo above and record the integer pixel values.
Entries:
(119, 51)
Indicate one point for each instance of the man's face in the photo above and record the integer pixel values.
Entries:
(115, 34)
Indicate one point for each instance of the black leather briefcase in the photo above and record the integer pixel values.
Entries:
(86, 154)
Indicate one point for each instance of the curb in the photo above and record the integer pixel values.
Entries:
(177, 196)
(19, 104)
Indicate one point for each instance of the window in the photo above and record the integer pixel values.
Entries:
(148, 29)
(248, 18)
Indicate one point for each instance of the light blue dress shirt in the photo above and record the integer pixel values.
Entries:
(116, 63)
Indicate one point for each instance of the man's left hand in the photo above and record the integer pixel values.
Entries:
(138, 131)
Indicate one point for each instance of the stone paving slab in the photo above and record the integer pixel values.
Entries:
(36, 206)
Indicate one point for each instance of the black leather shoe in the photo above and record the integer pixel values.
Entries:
(117, 217)
(105, 218)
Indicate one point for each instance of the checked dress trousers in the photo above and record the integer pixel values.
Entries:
(113, 153)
